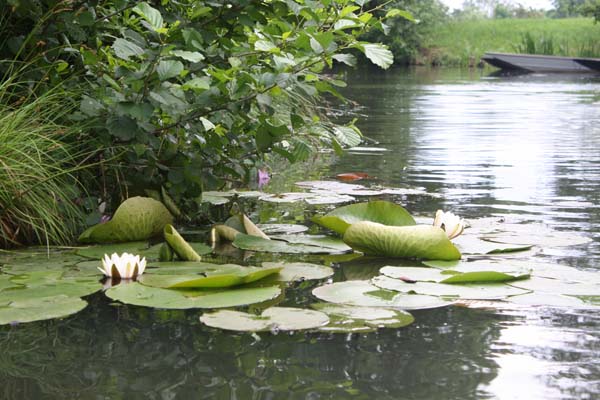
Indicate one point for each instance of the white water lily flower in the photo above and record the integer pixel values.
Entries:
(452, 224)
(126, 266)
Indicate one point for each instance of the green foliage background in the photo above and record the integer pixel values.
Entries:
(193, 94)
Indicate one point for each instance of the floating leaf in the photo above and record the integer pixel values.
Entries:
(536, 234)
(303, 245)
(180, 247)
(555, 286)
(419, 241)
(137, 218)
(286, 229)
(274, 318)
(147, 296)
(228, 275)
(469, 244)
(463, 291)
(37, 309)
(382, 212)
(482, 272)
(549, 300)
(299, 271)
(364, 294)
(309, 198)
(351, 319)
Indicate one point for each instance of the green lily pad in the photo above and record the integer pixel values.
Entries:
(274, 318)
(243, 224)
(549, 300)
(555, 286)
(299, 271)
(466, 273)
(282, 229)
(309, 198)
(352, 319)
(37, 309)
(98, 251)
(253, 243)
(469, 244)
(491, 291)
(364, 294)
(140, 295)
(382, 212)
(214, 200)
(137, 218)
(330, 242)
(7, 283)
(536, 234)
(179, 246)
(419, 241)
(218, 278)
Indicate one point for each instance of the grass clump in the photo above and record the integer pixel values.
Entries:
(37, 167)
(459, 42)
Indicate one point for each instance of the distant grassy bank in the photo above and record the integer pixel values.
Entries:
(464, 42)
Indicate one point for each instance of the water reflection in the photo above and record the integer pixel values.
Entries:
(525, 146)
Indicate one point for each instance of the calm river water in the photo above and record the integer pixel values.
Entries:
(527, 146)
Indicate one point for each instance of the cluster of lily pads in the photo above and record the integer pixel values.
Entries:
(457, 267)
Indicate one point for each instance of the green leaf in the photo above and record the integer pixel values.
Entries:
(395, 12)
(150, 14)
(419, 241)
(192, 56)
(347, 59)
(347, 135)
(217, 277)
(167, 69)
(97, 252)
(353, 319)
(491, 291)
(140, 295)
(299, 271)
(382, 212)
(299, 246)
(264, 45)
(378, 54)
(556, 286)
(125, 49)
(470, 244)
(364, 294)
(274, 318)
(197, 84)
(182, 248)
(137, 218)
(37, 309)
(468, 273)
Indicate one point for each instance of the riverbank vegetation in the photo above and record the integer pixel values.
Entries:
(187, 96)
(459, 42)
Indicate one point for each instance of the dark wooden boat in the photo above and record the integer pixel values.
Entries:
(541, 63)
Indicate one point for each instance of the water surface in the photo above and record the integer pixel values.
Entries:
(523, 147)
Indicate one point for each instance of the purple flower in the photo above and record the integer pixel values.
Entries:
(263, 177)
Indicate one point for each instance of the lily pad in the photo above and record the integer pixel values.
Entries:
(243, 224)
(147, 296)
(465, 273)
(469, 244)
(382, 212)
(464, 291)
(282, 229)
(299, 271)
(253, 243)
(364, 294)
(537, 234)
(137, 218)
(218, 278)
(309, 198)
(37, 309)
(352, 319)
(98, 251)
(274, 318)
(549, 300)
(555, 286)
(419, 241)
(180, 247)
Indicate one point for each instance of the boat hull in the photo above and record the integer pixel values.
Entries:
(538, 63)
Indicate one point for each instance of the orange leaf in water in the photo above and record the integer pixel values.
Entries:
(352, 176)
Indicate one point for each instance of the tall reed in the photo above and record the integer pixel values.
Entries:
(38, 185)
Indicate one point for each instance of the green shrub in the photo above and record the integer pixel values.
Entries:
(196, 93)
